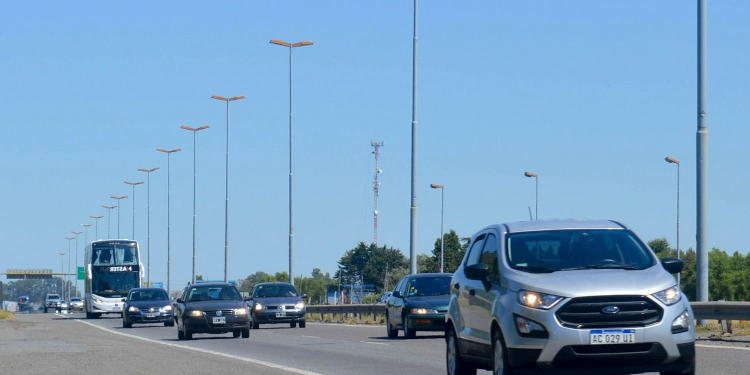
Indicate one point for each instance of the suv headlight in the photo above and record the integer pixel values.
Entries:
(240, 311)
(669, 296)
(423, 311)
(196, 313)
(258, 307)
(133, 309)
(537, 300)
(299, 305)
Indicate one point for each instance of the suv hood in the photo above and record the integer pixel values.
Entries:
(593, 282)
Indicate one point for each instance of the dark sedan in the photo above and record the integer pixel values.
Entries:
(418, 303)
(211, 308)
(147, 305)
(277, 303)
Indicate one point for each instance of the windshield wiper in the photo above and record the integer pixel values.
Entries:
(535, 269)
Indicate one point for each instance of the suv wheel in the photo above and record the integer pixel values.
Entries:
(302, 324)
(500, 365)
(689, 371)
(392, 333)
(408, 333)
(246, 333)
(453, 361)
(292, 324)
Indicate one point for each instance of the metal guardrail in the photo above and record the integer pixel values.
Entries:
(702, 310)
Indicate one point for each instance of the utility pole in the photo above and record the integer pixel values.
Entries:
(118, 198)
(75, 279)
(376, 189)
(195, 173)
(148, 220)
(413, 208)
(96, 233)
(702, 162)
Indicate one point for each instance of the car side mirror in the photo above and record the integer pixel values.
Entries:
(396, 294)
(672, 265)
(179, 300)
(478, 271)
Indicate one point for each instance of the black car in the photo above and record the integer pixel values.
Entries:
(147, 305)
(277, 303)
(418, 303)
(211, 308)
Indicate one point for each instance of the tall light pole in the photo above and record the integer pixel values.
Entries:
(291, 47)
(226, 185)
(677, 163)
(109, 214)
(75, 279)
(536, 188)
(194, 131)
(96, 233)
(413, 208)
(148, 172)
(86, 235)
(62, 273)
(117, 198)
(169, 223)
(442, 215)
(68, 273)
(702, 162)
(133, 185)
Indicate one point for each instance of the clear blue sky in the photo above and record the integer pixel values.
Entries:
(589, 94)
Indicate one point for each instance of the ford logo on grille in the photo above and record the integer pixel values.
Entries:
(218, 312)
(611, 309)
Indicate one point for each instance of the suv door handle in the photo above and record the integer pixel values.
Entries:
(472, 292)
(456, 286)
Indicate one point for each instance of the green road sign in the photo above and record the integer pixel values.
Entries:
(80, 273)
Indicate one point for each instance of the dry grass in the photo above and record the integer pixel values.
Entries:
(6, 315)
(739, 327)
(347, 318)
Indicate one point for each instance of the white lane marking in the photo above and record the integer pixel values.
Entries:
(373, 342)
(311, 337)
(244, 359)
(722, 347)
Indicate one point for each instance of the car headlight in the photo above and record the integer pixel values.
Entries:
(195, 313)
(299, 305)
(537, 300)
(240, 311)
(423, 311)
(258, 307)
(133, 309)
(166, 308)
(98, 300)
(669, 296)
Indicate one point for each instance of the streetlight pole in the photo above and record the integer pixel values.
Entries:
(677, 162)
(86, 235)
(96, 233)
(66, 275)
(194, 131)
(536, 187)
(702, 163)
(442, 215)
(109, 213)
(169, 223)
(133, 185)
(116, 197)
(291, 47)
(76, 261)
(148, 219)
(62, 272)
(226, 184)
(413, 208)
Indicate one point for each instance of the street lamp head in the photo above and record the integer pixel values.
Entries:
(530, 174)
(87, 225)
(672, 160)
(76, 233)
(96, 217)
(280, 42)
(107, 207)
(118, 198)
(436, 186)
(194, 129)
(148, 170)
(238, 97)
(133, 183)
(217, 97)
(69, 238)
(302, 44)
(187, 128)
(202, 127)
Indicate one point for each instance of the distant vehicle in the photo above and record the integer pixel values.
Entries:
(51, 301)
(274, 303)
(76, 304)
(147, 305)
(62, 305)
(24, 303)
(112, 268)
(418, 303)
(567, 296)
(211, 308)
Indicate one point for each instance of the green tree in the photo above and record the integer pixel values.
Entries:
(374, 264)
(454, 251)
(427, 264)
(661, 247)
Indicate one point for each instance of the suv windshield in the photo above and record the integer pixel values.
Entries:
(148, 295)
(213, 293)
(564, 250)
(53, 296)
(429, 286)
(263, 291)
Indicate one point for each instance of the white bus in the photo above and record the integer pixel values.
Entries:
(113, 267)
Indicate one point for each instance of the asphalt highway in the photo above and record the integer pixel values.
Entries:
(323, 348)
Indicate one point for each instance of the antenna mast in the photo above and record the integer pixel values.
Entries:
(376, 188)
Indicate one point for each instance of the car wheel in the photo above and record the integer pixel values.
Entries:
(236, 333)
(453, 361)
(392, 333)
(256, 325)
(292, 324)
(45, 310)
(500, 364)
(180, 334)
(125, 324)
(188, 335)
(408, 333)
(246, 333)
(689, 371)
(169, 323)
(302, 324)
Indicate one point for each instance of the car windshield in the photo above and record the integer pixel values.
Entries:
(148, 295)
(53, 297)
(565, 250)
(213, 293)
(281, 290)
(429, 286)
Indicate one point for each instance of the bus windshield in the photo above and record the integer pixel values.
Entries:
(115, 284)
(121, 254)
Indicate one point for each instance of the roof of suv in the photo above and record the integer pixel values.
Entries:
(540, 225)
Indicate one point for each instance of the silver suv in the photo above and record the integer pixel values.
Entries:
(567, 297)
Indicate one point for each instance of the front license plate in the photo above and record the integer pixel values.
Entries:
(219, 320)
(151, 315)
(611, 336)
(280, 314)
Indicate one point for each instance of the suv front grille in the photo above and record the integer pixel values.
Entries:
(586, 312)
(227, 312)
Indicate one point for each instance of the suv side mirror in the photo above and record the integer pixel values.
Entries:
(478, 271)
(396, 294)
(179, 300)
(672, 265)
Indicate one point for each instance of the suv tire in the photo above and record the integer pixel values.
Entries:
(689, 371)
(500, 363)
(302, 324)
(392, 333)
(245, 333)
(292, 324)
(453, 361)
(408, 333)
